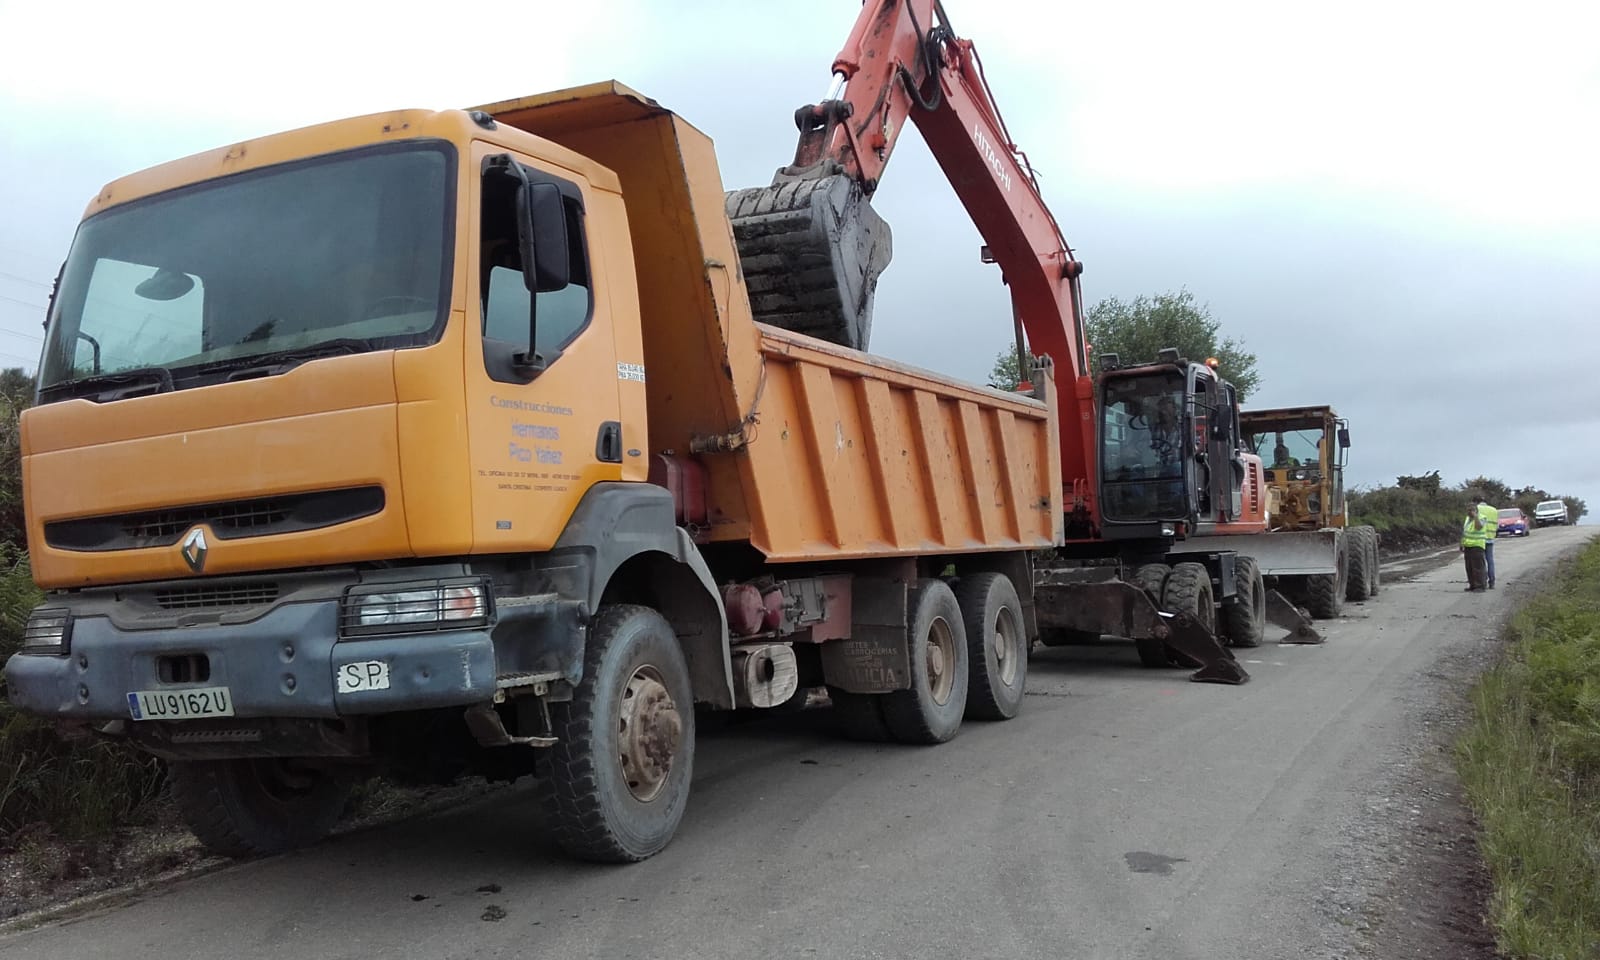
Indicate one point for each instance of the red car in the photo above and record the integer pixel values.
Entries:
(1514, 523)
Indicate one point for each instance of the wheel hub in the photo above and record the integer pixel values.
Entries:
(1005, 639)
(941, 655)
(649, 733)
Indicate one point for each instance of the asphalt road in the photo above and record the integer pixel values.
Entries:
(1125, 814)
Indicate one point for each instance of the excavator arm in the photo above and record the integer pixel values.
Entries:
(812, 247)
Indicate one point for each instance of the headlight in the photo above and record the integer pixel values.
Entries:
(414, 608)
(1299, 474)
(1168, 530)
(49, 631)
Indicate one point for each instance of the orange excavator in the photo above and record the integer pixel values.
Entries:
(1151, 451)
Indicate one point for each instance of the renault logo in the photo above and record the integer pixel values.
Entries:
(194, 549)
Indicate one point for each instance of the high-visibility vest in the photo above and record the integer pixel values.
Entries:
(1491, 520)
(1472, 534)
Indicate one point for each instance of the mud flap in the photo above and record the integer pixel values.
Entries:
(1190, 639)
(811, 250)
(1288, 616)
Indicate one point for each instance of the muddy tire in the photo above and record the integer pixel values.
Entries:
(624, 756)
(1188, 590)
(997, 645)
(1324, 592)
(858, 716)
(1359, 582)
(931, 711)
(1374, 562)
(252, 807)
(1244, 622)
(1153, 654)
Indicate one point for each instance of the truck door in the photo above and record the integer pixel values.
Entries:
(543, 428)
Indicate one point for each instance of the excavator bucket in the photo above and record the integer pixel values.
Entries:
(811, 251)
(1288, 616)
(1120, 609)
(1188, 638)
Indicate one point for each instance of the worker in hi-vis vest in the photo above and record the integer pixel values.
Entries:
(1491, 526)
(1473, 539)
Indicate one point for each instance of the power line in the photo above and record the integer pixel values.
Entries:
(21, 279)
(25, 303)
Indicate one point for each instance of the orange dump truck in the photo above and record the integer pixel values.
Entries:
(444, 442)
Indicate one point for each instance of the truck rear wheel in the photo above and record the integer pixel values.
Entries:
(858, 716)
(624, 756)
(241, 808)
(997, 645)
(1375, 569)
(1245, 620)
(1359, 583)
(931, 711)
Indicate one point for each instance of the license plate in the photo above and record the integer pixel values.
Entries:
(180, 704)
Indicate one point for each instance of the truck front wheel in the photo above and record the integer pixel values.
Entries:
(620, 770)
(252, 807)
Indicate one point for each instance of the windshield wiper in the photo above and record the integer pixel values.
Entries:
(282, 361)
(107, 387)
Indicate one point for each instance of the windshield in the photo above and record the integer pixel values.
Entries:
(1510, 514)
(1141, 442)
(1551, 505)
(351, 248)
(1288, 448)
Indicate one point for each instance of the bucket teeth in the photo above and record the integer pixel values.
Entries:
(811, 251)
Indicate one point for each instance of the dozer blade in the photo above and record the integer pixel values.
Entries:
(1187, 637)
(1288, 616)
(811, 251)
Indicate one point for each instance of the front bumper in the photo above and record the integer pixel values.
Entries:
(285, 661)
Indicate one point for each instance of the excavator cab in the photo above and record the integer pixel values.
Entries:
(1172, 463)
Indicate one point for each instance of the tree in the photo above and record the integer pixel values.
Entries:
(1492, 490)
(1006, 374)
(1137, 330)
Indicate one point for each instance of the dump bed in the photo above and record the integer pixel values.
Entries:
(813, 451)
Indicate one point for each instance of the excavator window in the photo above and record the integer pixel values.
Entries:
(1142, 447)
(564, 313)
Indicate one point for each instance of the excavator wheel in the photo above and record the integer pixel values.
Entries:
(811, 251)
(1152, 579)
(1244, 622)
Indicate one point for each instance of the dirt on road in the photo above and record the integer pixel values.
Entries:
(1125, 814)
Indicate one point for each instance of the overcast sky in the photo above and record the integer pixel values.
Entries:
(1395, 205)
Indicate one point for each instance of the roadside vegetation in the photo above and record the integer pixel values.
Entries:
(51, 790)
(1531, 766)
(1420, 510)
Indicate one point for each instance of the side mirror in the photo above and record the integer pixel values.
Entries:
(1344, 438)
(542, 235)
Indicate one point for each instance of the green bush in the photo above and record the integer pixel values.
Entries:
(1531, 766)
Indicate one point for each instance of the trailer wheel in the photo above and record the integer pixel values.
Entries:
(240, 808)
(930, 712)
(997, 645)
(624, 756)
(1325, 591)
(1245, 620)
(1152, 579)
(1359, 582)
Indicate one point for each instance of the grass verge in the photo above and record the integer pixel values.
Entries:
(1531, 765)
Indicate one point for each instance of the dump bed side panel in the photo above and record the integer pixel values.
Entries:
(862, 457)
